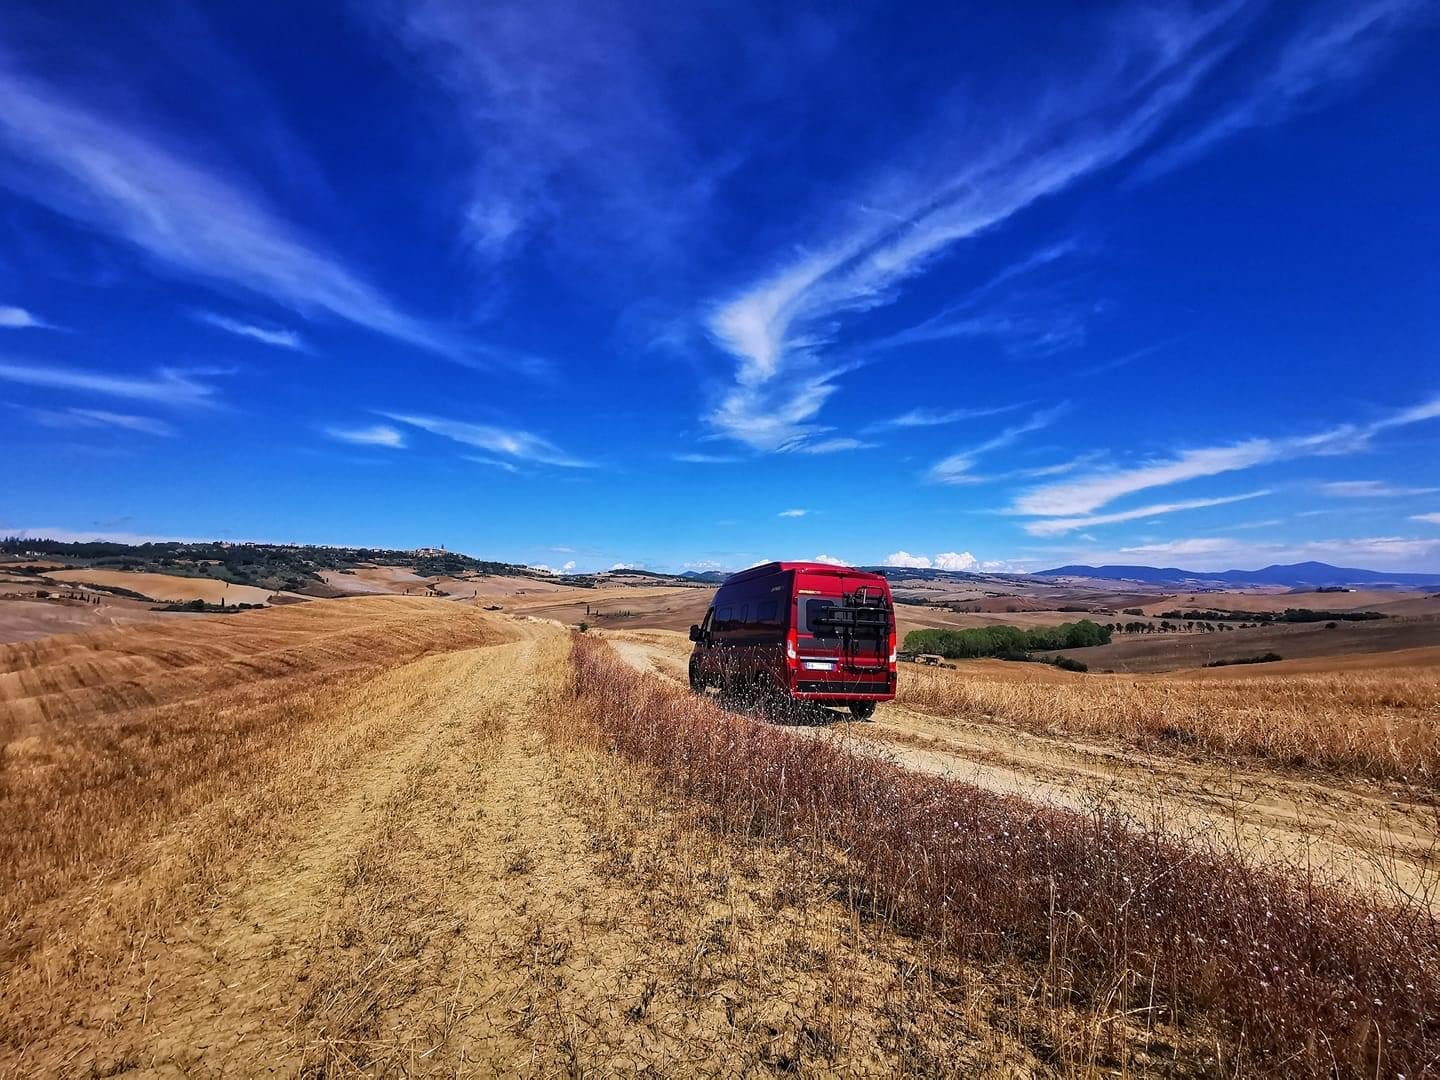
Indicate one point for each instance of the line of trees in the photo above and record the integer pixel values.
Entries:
(1006, 642)
(1165, 626)
(1289, 615)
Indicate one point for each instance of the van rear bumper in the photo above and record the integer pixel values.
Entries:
(881, 689)
(845, 696)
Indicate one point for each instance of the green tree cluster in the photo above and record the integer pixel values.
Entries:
(1006, 642)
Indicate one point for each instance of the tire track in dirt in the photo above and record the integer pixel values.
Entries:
(222, 991)
(1348, 832)
(569, 928)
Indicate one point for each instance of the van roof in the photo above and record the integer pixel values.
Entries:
(765, 569)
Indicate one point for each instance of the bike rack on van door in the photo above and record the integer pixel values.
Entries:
(858, 613)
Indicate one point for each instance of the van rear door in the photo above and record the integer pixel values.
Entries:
(831, 645)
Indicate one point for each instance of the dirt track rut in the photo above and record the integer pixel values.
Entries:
(316, 939)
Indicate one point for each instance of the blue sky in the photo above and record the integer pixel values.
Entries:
(691, 286)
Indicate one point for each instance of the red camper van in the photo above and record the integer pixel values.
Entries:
(800, 630)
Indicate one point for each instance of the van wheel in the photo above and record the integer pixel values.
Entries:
(863, 710)
(697, 681)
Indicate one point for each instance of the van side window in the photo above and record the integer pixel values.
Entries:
(744, 613)
(708, 623)
(767, 611)
(722, 619)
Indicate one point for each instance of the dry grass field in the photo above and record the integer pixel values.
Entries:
(355, 837)
(167, 587)
(395, 835)
(1388, 601)
(1380, 722)
(1190, 937)
(23, 617)
(1171, 652)
(1057, 738)
(651, 607)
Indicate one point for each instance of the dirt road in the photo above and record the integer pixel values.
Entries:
(437, 887)
(1358, 833)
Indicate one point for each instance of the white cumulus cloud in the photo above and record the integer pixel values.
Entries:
(904, 558)
(956, 560)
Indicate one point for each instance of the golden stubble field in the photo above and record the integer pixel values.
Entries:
(382, 835)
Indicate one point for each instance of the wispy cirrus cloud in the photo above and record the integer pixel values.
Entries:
(15, 318)
(1049, 328)
(103, 418)
(372, 435)
(1372, 489)
(130, 184)
(908, 219)
(959, 468)
(509, 443)
(568, 118)
(281, 338)
(166, 386)
(1431, 519)
(706, 459)
(1058, 526)
(1338, 43)
(495, 463)
(74, 417)
(793, 513)
(920, 418)
(1146, 70)
(1080, 498)
(833, 445)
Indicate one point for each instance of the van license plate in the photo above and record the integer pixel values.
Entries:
(819, 665)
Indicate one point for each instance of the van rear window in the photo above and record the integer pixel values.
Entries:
(814, 609)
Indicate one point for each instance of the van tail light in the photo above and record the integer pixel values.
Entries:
(792, 654)
(892, 646)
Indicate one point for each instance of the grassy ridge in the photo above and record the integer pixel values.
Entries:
(1299, 979)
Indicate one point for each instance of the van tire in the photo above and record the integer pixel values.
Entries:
(862, 710)
(697, 681)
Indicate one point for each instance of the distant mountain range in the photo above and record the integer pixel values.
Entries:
(709, 577)
(1294, 575)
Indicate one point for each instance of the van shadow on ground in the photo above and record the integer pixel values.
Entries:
(782, 713)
